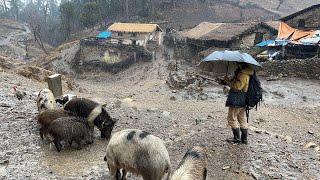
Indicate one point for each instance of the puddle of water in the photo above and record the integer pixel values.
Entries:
(72, 162)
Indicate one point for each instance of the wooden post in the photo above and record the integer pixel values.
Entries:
(55, 85)
(27, 54)
(283, 51)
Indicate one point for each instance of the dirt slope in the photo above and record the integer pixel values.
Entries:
(13, 37)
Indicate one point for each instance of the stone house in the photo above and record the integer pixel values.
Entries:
(129, 43)
(307, 19)
(136, 34)
(236, 36)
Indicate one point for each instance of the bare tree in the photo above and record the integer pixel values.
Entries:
(5, 8)
(45, 12)
(37, 37)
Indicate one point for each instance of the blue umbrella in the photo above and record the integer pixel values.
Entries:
(231, 56)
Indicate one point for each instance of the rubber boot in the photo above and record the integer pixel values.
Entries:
(236, 136)
(244, 136)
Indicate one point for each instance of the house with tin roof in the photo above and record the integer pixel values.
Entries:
(136, 34)
(306, 19)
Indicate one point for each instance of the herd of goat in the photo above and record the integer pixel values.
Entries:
(129, 150)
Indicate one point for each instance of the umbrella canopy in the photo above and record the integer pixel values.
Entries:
(231, 56)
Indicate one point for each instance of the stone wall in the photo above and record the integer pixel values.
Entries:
(113, 58)
(247, 41)
(105, 54)
(251, 40)
(175, 48)
(300, 68)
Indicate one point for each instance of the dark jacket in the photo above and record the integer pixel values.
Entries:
(239, 86)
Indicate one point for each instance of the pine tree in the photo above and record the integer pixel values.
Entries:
(67, 11)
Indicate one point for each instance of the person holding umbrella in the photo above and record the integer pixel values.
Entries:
(238, 100)
(237, 103)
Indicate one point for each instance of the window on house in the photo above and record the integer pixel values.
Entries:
(120, 34)
(302, 23)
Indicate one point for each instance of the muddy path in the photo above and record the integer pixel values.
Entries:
(139, 98)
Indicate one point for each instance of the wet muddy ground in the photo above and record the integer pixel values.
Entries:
(280, 129)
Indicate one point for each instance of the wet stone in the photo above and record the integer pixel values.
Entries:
(166, 113)
(3, 171)
(226, 167)
(152, 110)
(258, 131)
(4, 162)
(311, 145)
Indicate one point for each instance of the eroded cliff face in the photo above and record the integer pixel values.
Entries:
(17, 42)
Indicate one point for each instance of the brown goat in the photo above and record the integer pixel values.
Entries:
(47, 116)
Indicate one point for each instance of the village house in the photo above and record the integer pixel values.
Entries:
(307, 19)
(229, 35)
(135, 34)
(119, 47)
(210, 36)
(301, 30)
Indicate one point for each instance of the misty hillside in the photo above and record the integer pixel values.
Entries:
(55, 23)
(281, 7)
(190, 13)
(17, 42)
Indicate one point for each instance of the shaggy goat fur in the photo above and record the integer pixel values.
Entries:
(138, 152)
(45, 100)
(193, 165)
(70, 129)
(94, 113)
(47, 116)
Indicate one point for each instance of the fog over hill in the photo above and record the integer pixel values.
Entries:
(56, 22)
(282, 7)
